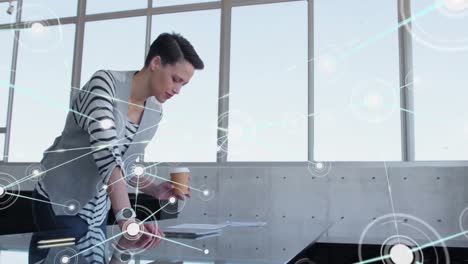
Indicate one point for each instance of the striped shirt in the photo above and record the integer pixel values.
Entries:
(93, 111)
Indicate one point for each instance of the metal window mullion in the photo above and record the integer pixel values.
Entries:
(14, 61)
(78, 49)
(237, 3)
(48, 22)
(149, 21)
(310, 80)
(150, 9)
(406, 83)
(224, 68)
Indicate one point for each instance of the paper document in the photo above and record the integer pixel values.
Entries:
(199, 226)
(218, 226)
(245, 224)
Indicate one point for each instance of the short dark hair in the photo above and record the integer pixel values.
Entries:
(173, 48)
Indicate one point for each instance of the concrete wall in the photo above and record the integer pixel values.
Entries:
(425, 197)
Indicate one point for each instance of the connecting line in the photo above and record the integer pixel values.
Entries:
(374, 259)
(136, 193)
(170, 240)
(224, 141)
(147, 167)
(158, 177)
(116, 99)
(430, 244)
(32, 175)
(224, 96)
(391, 30)
(150, 166)
(406, 85)
(30, 198)
(391, 201)
(406, 110)
(153, 214)
(98, 244)
(45, 99)
(225, 136)
(94, 148)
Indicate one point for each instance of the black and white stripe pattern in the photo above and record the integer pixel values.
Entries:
(95, 102)
(92, 108)
(92, 244)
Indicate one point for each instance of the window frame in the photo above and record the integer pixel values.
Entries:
(405, 69)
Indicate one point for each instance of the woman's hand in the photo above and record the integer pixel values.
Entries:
(166, 190)
(145, 241)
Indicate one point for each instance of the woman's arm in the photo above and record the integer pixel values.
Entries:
(162, 191)
(143, 184)
(118, 193)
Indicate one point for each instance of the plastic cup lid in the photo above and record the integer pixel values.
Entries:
(179, 170)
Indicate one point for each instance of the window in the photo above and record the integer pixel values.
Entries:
(440, 57)
(6, 18)
(2, 146)
(159, 3)
(268, 83)
(356, 97)
(6, 50)
(188, 129)
(35, 10)
(117, 44)
(100, 6)
(42, 90)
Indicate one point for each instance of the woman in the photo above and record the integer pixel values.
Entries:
(112, 119)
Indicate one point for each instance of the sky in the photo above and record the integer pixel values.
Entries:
(356, 98)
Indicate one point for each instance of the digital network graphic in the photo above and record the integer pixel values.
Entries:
(373, 100)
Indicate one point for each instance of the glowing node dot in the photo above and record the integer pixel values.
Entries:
(373, 100)
(106, 124)
(401, 254)
(103, 146)
(65, 259)
(133, 229)
(36, 172)
(37, 27)
(206, 251)
(319, 165)
(236, 132)
(71, 207)
(206, 192)
(327, 64)
(172, 200)
(139, 171)
(2, 191)
(105, 187)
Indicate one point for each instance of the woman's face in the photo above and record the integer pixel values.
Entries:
(167, 80)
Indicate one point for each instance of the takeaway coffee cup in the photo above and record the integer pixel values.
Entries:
(180, 179)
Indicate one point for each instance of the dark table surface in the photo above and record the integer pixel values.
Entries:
(277, 242)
